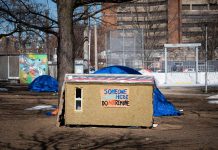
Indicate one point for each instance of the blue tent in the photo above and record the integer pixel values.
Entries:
(44, 83)
(161, 106)
(116, 70)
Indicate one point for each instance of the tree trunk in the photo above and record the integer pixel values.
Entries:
(65, 44)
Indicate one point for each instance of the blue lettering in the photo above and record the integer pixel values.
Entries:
(122, 91)
(115, 91)
(121, 96)
(112, 91)
(117, 96)
(109, 91)
(105, 91)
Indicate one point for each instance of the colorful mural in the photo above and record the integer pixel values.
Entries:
(31, 66)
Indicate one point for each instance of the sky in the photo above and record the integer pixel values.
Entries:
(50, 5)
(53, 8)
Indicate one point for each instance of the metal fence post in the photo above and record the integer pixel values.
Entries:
(143, 49)
(165, 53)
(206, 65)
(123, 62)
(196, 60)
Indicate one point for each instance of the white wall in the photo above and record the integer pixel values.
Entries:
(185, 79)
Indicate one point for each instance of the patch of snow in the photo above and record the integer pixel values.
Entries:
(3, 89)
(213, 97)
(213, 102)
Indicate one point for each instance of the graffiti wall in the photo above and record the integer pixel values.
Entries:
(31, 66)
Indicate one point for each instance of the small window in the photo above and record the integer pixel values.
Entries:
(178, 63)
(78, 105)
(199, 7)
(78, 99)
(78, 93)
(185, 7)
(213, 6)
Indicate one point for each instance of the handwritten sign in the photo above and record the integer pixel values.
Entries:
(115, 97)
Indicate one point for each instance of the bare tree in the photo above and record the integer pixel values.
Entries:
(212, 31)
(66, 10)
(144, 23)
(150, 25)
(26, 15)
(195, 30)
(27, 21)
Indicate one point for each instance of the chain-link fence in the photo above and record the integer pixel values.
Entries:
(185, 64)
(131, 48)
(125, 47)
(185, 67)
(128, 48)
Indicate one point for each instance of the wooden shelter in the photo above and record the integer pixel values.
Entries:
(108, 100)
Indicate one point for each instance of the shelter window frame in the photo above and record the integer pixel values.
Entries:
(78, 99)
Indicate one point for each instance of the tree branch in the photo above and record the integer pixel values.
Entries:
(38, 14)
(84, 17)
(79, 3)
(20, 21)
(8, 34)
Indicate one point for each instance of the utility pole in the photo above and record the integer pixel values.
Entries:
(86, 42)
(90, 36)
(96, 45)
(47, 37)
(206, 66)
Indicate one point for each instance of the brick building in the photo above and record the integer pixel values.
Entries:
(168, 21)
(175, 17)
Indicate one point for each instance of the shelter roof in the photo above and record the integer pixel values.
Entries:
(109, 78)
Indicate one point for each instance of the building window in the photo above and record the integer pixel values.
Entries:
(199, 7)
(213, 6)
(185, 7)
(78, 99)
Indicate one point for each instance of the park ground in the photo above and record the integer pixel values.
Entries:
(23, 129)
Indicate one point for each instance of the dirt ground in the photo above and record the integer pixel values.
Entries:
(21, 129)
